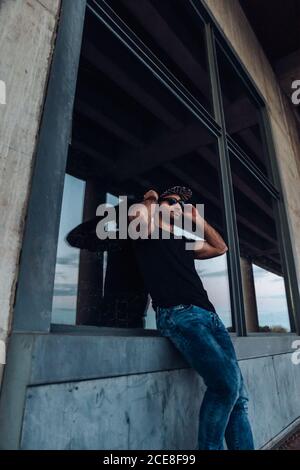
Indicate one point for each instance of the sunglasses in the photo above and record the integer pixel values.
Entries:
(172, 201)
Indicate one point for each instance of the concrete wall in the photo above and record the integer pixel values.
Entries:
(27, 34)
(231, 18)
(95, 390)
(121, 400)
(145, 411)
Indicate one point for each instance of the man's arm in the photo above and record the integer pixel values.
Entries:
(143, 212)
(213, 245)
(84, 236)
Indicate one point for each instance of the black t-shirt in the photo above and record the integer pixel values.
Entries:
(169, 272)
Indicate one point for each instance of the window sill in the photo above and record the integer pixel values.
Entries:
(89, 353)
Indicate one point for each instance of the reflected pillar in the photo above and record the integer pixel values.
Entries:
(90, 276)
(251, 316)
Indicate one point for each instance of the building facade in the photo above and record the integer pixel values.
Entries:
(111, 98)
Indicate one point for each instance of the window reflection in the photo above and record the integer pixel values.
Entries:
(214, 275)
(177, 39)
(242, 115)
(271, 301)
(67, 262)
(261, 265)
(130, 134)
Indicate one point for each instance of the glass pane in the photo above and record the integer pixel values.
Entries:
(271, 300)
(214, 275)
(262, 273)
(67, 261)
(177, 40)
(242, 117)
(130, 134)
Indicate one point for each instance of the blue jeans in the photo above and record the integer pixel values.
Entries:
(204, 341)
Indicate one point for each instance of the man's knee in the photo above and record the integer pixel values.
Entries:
(241, 403)
(243, 398)
(228, 387)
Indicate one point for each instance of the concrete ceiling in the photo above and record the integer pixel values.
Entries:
(276, 24)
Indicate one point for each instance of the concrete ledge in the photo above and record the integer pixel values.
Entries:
(72, 357)
(259, 345)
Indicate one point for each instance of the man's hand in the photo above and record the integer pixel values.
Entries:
(192, 213)
(143, 211)
(151, 194)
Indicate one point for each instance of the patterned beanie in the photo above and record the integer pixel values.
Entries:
(182, 191)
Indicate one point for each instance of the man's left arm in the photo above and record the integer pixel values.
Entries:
(213, 244)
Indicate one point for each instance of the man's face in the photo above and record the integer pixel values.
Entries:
(171, 209)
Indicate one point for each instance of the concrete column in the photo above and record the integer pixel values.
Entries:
(90, 276)
(249, 295)
(27, 38)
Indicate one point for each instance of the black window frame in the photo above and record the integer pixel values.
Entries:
(33, 302)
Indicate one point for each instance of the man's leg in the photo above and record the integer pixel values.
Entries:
(238, 432)
(192, 331)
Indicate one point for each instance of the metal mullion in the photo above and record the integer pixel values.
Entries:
(34, 293)
(251, 167)
(206, 14)
(234, 269)
(241, 72)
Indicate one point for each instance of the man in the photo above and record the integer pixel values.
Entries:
(186, 316)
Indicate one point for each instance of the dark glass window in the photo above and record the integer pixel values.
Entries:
(242, 114)
(130, 134)
(262, 272)
(175, 34)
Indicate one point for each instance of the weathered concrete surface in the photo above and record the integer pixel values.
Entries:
(153, 411)
(68, 358)
(13, 391)
(234, 23)
(146, 411)
(76, 358)
(27, 33)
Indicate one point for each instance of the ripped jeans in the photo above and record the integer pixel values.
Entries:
(204, 341)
